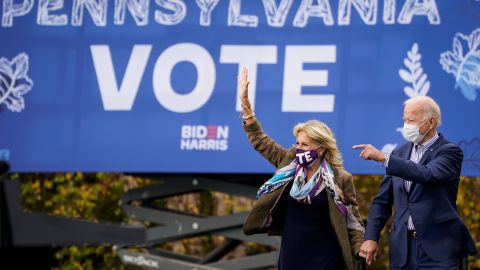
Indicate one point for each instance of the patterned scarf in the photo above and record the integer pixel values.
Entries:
(305, 192)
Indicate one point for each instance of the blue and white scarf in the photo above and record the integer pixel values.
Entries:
(304, 191)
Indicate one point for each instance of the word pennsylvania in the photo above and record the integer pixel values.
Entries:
(173, 12)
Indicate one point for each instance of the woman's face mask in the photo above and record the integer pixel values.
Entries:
(305, 158)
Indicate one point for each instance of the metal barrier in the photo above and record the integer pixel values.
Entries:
(19, 228)
(174, 225)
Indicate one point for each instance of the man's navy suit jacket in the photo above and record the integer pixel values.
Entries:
(431, 202)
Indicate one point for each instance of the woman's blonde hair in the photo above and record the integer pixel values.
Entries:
(322, 136)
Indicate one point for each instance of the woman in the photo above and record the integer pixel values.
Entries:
(310, 201)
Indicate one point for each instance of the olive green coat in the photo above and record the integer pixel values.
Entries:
(268, 213)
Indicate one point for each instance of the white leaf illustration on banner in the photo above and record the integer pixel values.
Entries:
(418, 80)
(400, 129)
(14, 82)
(388, 148)
(464, 63)
(414, 75)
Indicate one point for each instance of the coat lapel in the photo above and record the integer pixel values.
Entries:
(433, 147)
(407, 156)
(426, 156)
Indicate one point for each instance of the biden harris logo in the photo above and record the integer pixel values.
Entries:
(204, 138)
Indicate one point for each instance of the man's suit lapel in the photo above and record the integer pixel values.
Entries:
(426, 156)
(407, 155)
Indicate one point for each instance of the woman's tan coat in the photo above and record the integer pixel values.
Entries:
(268, 214)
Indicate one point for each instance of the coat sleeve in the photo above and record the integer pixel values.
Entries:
(380, 210)
(265, 145)
(444, 167)
(350, 199)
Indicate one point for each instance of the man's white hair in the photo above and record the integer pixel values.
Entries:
(429, 106)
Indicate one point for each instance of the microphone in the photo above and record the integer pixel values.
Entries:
(4, 167)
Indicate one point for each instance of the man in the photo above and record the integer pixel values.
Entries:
(421, 183)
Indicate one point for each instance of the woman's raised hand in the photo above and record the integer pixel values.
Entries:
(243, 88)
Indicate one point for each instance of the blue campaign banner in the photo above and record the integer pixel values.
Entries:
(150, 86)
